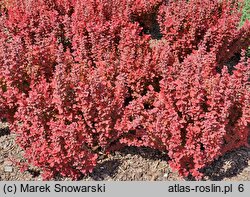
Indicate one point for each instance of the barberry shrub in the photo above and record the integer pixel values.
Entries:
(199, 109)
(67, 67)
(82, 77)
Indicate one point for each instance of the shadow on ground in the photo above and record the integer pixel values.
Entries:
(4, 131)
(229, 165)
(105, 169)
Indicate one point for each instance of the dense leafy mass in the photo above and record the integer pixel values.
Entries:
(245, 12)
(81, 77)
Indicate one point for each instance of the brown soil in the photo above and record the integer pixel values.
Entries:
(130, 164)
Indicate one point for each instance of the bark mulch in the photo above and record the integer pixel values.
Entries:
(128, 164)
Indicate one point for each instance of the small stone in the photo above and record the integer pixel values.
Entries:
(166, 175)
(8, 168)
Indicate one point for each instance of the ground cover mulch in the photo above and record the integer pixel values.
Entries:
(128, 164)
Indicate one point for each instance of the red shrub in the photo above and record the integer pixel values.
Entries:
(197, 115)
(199, 111)
(79, 77)
(67, 75)
(186, 25)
